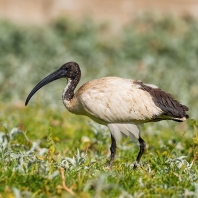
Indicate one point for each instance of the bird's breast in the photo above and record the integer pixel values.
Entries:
(72, 105)
(78, 107)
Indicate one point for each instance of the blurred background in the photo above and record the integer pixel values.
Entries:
(119, 13)
(155, 41)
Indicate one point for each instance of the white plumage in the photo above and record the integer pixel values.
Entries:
(120, 104)
(113, 100)
(125, 129)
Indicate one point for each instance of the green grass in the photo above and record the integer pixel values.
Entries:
(160, 174)
(161, 51)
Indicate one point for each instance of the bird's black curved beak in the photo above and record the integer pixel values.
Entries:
(60, 73)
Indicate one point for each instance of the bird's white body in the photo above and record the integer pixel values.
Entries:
(115, 102)
(120, 104)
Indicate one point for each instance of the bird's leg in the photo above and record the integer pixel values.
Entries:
(113, 151)
(142, 149)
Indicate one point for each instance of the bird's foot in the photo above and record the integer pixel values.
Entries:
(109, 166)
(135, 165)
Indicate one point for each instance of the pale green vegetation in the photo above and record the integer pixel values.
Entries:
(37, 140)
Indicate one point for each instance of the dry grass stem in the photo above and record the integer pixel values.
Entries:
(64, 187)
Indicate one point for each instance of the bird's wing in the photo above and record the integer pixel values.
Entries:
(117, 100)
(166, 102)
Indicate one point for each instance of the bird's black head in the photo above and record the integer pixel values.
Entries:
(68, 70)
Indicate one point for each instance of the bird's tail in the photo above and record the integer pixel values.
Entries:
(183, 116)
(179, 116)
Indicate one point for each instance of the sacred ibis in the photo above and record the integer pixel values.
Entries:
(120, 104)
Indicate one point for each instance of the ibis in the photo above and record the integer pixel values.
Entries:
(120, 104)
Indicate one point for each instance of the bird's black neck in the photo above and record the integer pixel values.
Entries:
(68, 92)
